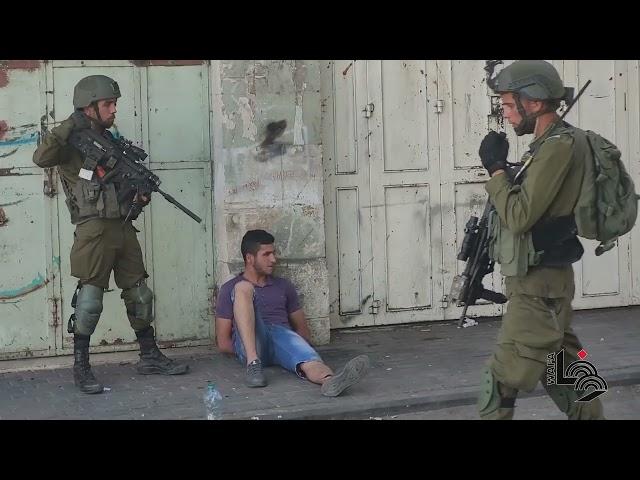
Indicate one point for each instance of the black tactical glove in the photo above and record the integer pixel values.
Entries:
(80, 120)
(493, 151)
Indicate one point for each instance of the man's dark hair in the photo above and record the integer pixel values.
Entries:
(252, 240)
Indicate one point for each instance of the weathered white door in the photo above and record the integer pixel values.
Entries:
(346, 192)
(468, 111)
(28, 304)
(382, 192)
(603, 281)
(406, 219)
(632, 107)
(179, 250)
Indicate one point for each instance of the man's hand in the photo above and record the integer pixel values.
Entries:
(493, 151)
(80, 120)
(143, 199)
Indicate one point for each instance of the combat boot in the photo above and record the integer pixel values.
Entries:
(82, 374)
(152, 360)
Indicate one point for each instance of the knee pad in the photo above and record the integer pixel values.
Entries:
(495, 401)
(88, 309)
(489, 398)
(139, 303)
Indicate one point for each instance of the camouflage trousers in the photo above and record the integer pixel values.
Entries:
(537, 323)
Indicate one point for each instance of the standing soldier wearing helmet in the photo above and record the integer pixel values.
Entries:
(534, 240)
(102, 242)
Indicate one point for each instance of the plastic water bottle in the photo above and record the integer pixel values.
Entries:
(213, 402)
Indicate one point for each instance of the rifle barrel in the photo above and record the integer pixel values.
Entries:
(575, 99)
(170, 199)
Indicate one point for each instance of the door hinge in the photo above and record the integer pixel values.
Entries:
(374, 307)
(368, 110)
(439, 106)
(444, 303)
(49, 188)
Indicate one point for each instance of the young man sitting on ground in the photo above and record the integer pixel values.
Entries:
(259, 319)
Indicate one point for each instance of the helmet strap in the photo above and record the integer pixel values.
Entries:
(97, 112)
(528, 123)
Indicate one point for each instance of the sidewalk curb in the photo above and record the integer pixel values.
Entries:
(407, 403)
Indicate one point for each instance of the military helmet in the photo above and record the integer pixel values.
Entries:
(531, 79)
(93, 88)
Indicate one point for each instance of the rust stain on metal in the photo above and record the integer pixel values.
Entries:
(6, 172)
(54, 312)
(6, 65)
(344, 72)
(3, 218)
(28, 65)
(4, 128)
(165, 63)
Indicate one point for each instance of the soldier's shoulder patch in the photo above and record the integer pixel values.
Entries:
(558, 138)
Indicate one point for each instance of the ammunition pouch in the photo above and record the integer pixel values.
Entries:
(550, 243)
(514, 252)
(90, 199)
(556, 238)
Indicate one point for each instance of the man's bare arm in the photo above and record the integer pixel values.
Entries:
(223, 335)
(298, 322)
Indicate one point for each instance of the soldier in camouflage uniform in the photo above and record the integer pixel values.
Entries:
(534, 239)
(102, 242)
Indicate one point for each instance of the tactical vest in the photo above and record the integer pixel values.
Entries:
(549, 243)
(88, 199)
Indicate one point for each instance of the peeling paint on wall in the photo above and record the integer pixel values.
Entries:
(249, 128)
(3, 129)
(7, 65)
(299, 77)
(25, 139)
(227, 121)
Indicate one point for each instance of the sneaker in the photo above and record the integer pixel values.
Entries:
(255, 375)
(353, 371)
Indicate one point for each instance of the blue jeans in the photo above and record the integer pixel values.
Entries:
(276, 345)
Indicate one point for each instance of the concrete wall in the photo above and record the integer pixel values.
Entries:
(268, 172)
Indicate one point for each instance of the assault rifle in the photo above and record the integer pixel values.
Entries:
(117, 160)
